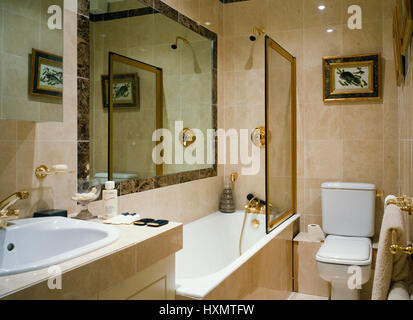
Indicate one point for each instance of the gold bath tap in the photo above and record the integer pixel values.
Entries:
(6, 213)
(256, 206)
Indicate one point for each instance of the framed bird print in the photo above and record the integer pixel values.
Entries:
(352, 78)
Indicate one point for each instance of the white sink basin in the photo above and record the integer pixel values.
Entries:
(36, 243)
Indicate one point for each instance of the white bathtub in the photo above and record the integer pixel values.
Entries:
(210, 251)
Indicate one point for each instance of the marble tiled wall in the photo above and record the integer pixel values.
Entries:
(336, 141)
(26, 145)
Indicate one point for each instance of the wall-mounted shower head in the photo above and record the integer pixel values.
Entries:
(174, 46)
(256, 33)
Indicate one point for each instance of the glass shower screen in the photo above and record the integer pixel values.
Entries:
(280, 118)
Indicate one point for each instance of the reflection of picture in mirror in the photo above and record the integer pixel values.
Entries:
(125, 90)
(46, 78)
(50, 77)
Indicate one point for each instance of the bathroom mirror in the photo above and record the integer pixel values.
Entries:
(31, 63)
(164, 76)
(280, 124)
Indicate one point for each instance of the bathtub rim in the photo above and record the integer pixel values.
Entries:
(198, 288)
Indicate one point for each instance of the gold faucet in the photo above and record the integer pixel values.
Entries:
(6, 213)
(255, 206)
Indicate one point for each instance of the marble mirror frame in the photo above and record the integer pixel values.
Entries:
(83, 92)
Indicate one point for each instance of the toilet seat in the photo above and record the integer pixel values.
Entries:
(345, 251)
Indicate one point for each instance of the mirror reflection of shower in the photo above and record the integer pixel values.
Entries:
(256, 34)
(174, 46)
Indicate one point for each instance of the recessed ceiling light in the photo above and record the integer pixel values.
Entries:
(208, 23)
(330, 30)
(321, 7)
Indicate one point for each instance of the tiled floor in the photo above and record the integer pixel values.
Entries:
(301, 296)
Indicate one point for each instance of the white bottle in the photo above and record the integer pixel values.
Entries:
(110, 200)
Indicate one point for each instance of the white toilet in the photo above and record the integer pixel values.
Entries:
(344, 259)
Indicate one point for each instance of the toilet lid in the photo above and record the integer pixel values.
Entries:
(345, 250)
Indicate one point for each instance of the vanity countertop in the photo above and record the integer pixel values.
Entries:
(144, 245)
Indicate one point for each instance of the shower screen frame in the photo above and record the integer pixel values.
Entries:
(114, 57)
(270, 44)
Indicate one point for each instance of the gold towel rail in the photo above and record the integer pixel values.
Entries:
(404, 202)
(395, 248)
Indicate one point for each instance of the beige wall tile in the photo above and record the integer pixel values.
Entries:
(282, 17)
(7, 168)
(323, 122)
(321, 158)
(363, 161)
(331, 15)
(362, 122)
(318, 43)
(8, 130)
(20, 41)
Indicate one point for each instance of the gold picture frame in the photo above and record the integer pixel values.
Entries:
(405, 22)
(352, 78)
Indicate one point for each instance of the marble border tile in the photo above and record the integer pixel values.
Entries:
(83, 92)
(83, 109)
(83, 164)
(135, 185)
(83, 7)
(83, 46)
(165, 9)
